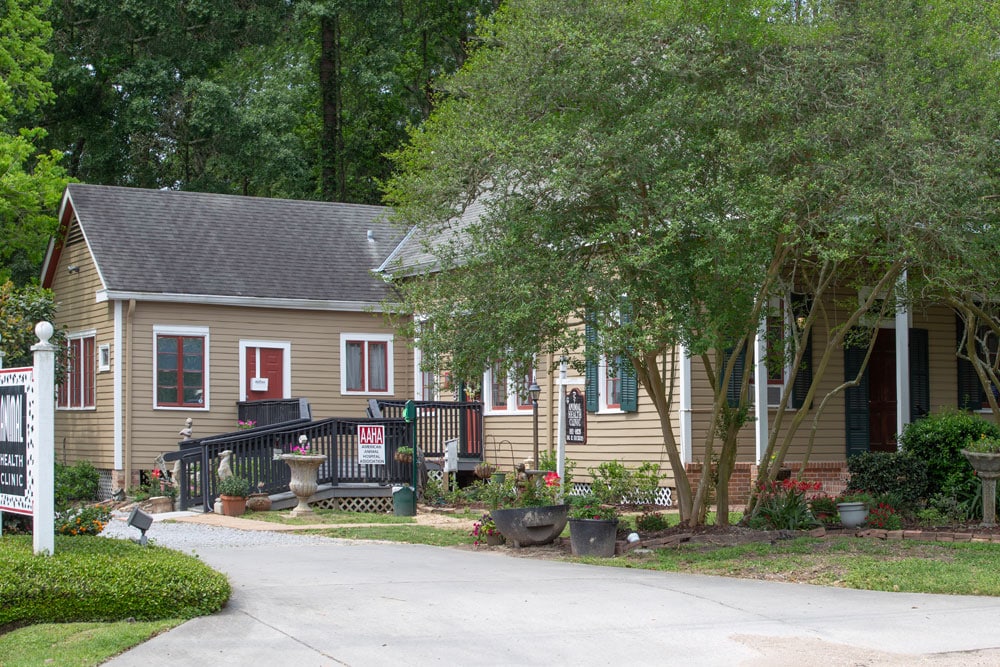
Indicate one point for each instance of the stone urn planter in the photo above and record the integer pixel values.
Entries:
(593, 537)
(852, 514)
(527, 526)
(987, 467)
(305, 468)
(160, 504)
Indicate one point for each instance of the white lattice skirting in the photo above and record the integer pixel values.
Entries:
(664, 497)
(382, 505)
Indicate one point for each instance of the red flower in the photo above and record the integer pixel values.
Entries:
(551, 479)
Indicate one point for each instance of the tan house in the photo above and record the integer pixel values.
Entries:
(178, 305)
(913, 371)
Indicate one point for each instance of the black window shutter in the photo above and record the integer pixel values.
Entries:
(970, 391)
(736, 379)
(629, 399)
(856, 403)
(801, 305)
(804, 378)
(920, 382)
(590, 355)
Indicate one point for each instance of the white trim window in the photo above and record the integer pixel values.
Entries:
(506, 391)
(78, 388)
(366, 364)
(609, 386)
(180, 368)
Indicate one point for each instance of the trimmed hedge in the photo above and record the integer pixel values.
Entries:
(899, 474)
(92, 578)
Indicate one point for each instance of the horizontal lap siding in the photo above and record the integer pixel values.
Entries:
(315, 366)
(85, 434)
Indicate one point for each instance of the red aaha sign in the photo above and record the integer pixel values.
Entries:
(371, 434)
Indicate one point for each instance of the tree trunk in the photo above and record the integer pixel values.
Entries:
(332, 180)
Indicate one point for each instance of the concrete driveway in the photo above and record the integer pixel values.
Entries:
(335, 602)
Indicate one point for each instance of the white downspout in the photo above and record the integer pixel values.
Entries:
(902, 359)
(117, 379)
(685, 406)
(760, 389)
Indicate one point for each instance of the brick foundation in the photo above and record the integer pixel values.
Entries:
(832, 475)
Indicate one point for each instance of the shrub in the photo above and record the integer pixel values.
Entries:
(614, 483)
(78, 482)
(885, 517)
(82, 521)
(590, 507)
(651, 522)
(782, 506)
(938, 440)
(899, 473)
(100, 579)
(824, 509)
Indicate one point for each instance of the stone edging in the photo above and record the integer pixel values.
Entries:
(622, 547)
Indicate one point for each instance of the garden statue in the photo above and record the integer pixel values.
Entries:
(225, 469)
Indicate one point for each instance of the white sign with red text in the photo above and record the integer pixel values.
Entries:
(371, 444)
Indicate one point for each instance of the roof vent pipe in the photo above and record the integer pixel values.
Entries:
(371, 235)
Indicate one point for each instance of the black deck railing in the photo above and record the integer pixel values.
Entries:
(440, 421)
(254, 453)
(273, 411)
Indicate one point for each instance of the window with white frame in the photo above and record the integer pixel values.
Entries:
(611, 373)
(506, 390)
(180, 367)
(366, 363)
(77, 390)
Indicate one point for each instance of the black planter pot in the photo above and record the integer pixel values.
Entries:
(593, 537)
(526, 526)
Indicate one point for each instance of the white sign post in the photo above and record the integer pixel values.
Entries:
(371, 444)
(45, 440)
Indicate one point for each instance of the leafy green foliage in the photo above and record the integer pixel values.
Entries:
(78, 482)
(82, 520)
(783, 506)
(21, 308)
(234, 486)
(938, 440)
(898, 473)
(651, 521)
(100, 579)
(591, 507)
(613, 483)
(824, 509)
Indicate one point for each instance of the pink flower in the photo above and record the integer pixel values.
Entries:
(551, 479)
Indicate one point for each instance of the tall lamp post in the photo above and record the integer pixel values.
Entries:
(534, 390)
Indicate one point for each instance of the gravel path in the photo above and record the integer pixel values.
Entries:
(185, 536)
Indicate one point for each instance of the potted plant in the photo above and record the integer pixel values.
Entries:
(233, 492)
(484, 470)
(260, 501)
(983, 454)
(593, 527)
(485, 530)
(852, 505)
(404, 455)
(534, 516)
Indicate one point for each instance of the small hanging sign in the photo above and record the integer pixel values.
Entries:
(576, 417)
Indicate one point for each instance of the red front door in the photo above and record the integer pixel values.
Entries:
(882, 393)
(265, 365)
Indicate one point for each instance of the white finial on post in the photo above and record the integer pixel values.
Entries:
(1, 353)
(45, 446)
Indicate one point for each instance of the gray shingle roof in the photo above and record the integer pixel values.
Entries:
(166, 242)
(418, 252)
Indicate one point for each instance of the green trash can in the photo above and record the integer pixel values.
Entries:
(404, 501)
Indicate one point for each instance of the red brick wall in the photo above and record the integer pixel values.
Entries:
(832, 474)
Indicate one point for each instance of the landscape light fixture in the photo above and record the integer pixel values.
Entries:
(139, 519)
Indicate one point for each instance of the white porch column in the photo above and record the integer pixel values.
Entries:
(119, 408)
(760, 389)
(902, 359)
(685, 405)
